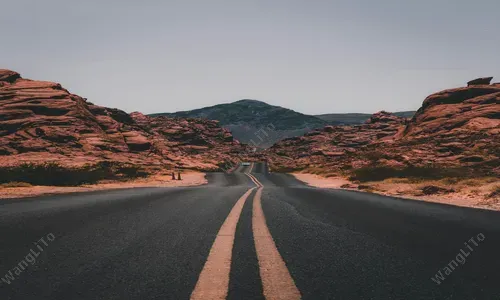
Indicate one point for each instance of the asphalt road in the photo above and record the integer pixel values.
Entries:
(155, 243)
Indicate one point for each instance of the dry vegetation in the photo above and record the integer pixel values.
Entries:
(54, 174)
(159, 179)
(459, 189)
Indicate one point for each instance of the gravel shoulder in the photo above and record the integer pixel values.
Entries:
(476, 193)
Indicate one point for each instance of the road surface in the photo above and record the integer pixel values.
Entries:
(246, 235)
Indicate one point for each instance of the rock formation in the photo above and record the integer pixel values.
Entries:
(334, 147)
(480, 81)
(456, 128)
(42, 122)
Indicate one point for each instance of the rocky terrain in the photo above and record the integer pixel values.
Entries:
(456, 132)
(334, 148)
(255, 122)
(44, 130)
(262, 125)
(41, 122)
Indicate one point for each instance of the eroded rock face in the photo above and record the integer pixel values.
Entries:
(454, 128)
(334, 147)
(458, 127)
(191, 142)
(41, 121)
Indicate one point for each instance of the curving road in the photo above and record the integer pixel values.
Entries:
(246, 235)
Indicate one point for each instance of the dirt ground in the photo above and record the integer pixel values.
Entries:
(478, 193)
(20, 190)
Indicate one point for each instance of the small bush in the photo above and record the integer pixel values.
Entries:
(15, 184)
(365, 187)
(433, 189)
(131, 171)
(495, 192)
(285, 169)
(398, 180)
(451, 181)
(52, 173)
(376, 173)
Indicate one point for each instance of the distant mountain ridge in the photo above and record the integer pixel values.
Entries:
(262, 125)
(358, 118)
(255, 122)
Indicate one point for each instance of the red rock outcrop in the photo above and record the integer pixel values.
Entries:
(334, 147)
(42, 122)
(192, 143)
(456, 128)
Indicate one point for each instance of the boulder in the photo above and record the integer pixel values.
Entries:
(480, 81)
(432, 190)
(8, 75)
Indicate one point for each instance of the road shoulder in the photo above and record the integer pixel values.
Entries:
(467, 193)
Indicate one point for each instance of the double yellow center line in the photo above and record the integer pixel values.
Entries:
(277, 282)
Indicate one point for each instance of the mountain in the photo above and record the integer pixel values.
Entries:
(456, 133)
(255, 122)
(42, 122)
(357, 118)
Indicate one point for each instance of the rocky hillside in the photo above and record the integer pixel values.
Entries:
(456, 132)
(255, 122)
(333, 147)
(42, 122)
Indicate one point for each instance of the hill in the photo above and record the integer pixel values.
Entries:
(255, 122)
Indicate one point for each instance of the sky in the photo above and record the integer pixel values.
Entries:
(313, 56)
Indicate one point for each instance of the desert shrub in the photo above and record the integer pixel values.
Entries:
(375, 155)
(15, 184)
(379, 173)
(397, 180)
(316, 170)
(475, 192)
(131, 171)
(52, 173)
(285, 169)
(433, 189)
(451, 181)
(225, 166)
(365, 187)
(495, 192)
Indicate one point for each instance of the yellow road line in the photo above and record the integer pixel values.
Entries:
(257, 183)
(213, 282)
(276, 279)
(251, 168)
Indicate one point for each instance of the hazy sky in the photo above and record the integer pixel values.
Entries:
(311, 56)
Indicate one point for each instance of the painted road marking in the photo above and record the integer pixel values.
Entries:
(257, 183)
(251, 168)
(277, 282)
(213, 282)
